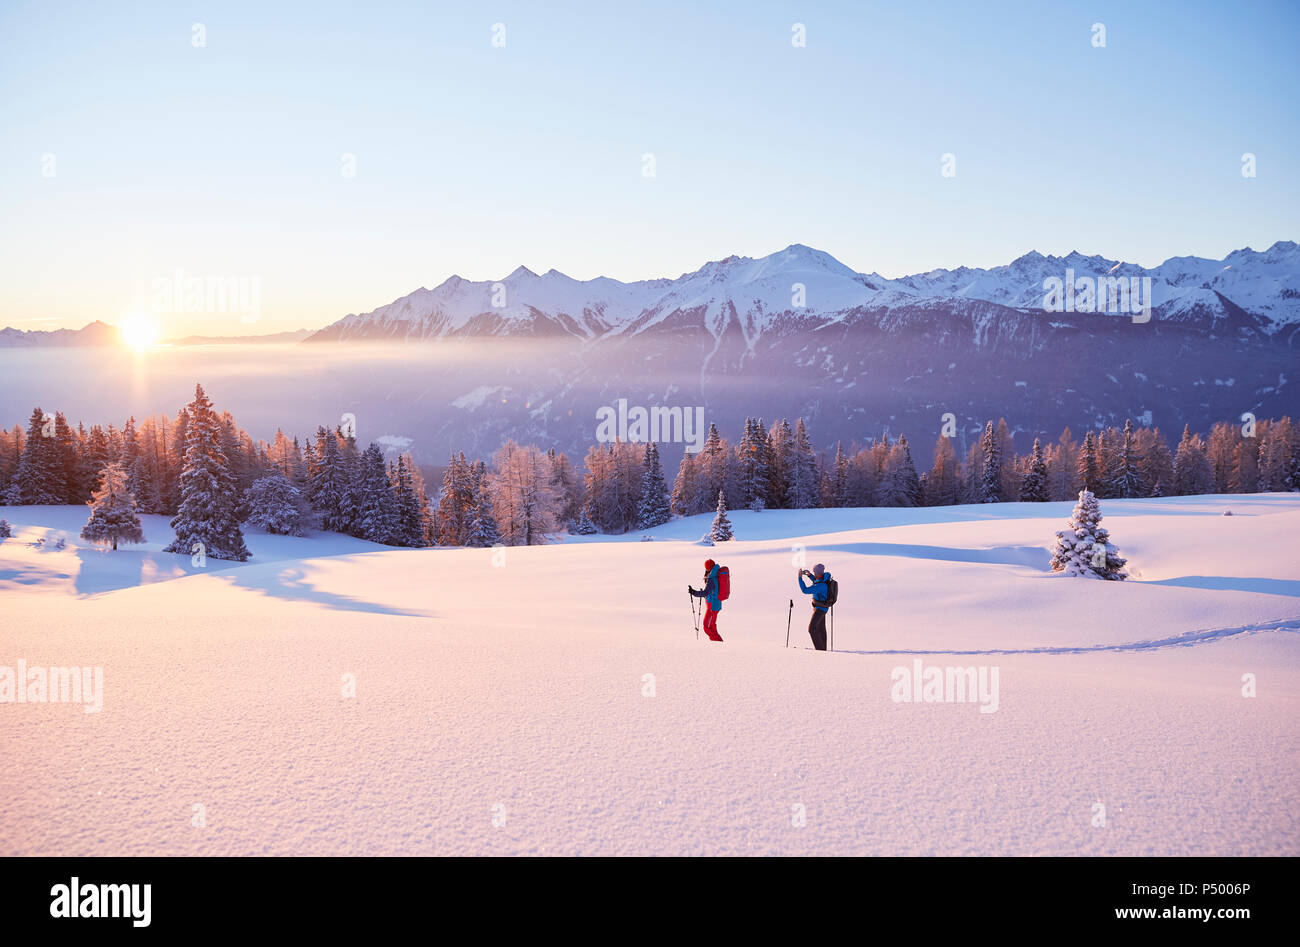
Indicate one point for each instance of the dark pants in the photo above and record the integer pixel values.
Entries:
(817, 629)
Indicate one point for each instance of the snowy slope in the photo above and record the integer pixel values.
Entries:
(515, 679)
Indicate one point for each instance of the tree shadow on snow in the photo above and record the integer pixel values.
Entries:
(1032, 557)
(1232, 583)
(292, 585)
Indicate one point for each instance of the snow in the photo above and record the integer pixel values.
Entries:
(509, 683)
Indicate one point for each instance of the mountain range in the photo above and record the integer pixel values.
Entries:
(797, 333)
(862, 355)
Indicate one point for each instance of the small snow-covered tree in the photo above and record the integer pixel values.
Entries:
(1083, 547)
(584, 526)
(112, 511)
(6, 530)
(721, 532)
(274, 505)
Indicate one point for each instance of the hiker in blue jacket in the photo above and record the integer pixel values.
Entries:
(710, 594)
(819, 589)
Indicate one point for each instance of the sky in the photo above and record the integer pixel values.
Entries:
(330, 157)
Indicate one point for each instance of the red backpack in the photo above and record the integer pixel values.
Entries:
(724, 583)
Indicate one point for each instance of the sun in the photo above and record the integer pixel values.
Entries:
(139, 331)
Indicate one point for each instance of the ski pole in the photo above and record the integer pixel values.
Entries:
(832, 627)
(695, 622)
(788, 616)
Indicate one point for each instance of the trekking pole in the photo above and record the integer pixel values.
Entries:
(832, 627)
(694, 620)
(788, 616)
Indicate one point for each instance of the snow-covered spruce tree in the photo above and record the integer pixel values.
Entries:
(1033, 488)
(752, 471)
(990, 485)
(721, 530)
(39, 478)
(584, 526)
(206, 514)
(274, 505)
(112, 511)
(1083, 547)
(6, 531)
(1126, 476)
(802, 494)
(376, 506)
(654, 509)
(411, 506)
(327, 482)
(482, 530)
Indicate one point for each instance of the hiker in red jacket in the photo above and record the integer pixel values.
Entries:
(710, 595)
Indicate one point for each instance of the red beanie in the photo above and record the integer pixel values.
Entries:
(708, 565)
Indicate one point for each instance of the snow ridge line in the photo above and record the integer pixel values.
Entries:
(1186, 640)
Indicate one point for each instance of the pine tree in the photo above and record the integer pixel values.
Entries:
(803, 483)
(329, 485)
(685, 496)
(410, 529)
(376, 506)
(483, 532)
(943, 485)
(721, 529)
(1192, 472)
(39, 479)
(6, 531)
(455, 503)
(112, 511)
(1088, 468)
(273, 504)
(839, 492)
(990, 486)
(654, 510)
(584, 526)
(65, 450)
(206, 514)
(751, 462)
(1033, 488)
(1083, 547)
(1126, 477)
(899, 485)
(780, 454)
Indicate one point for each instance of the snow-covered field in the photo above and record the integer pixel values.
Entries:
(556, 700)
